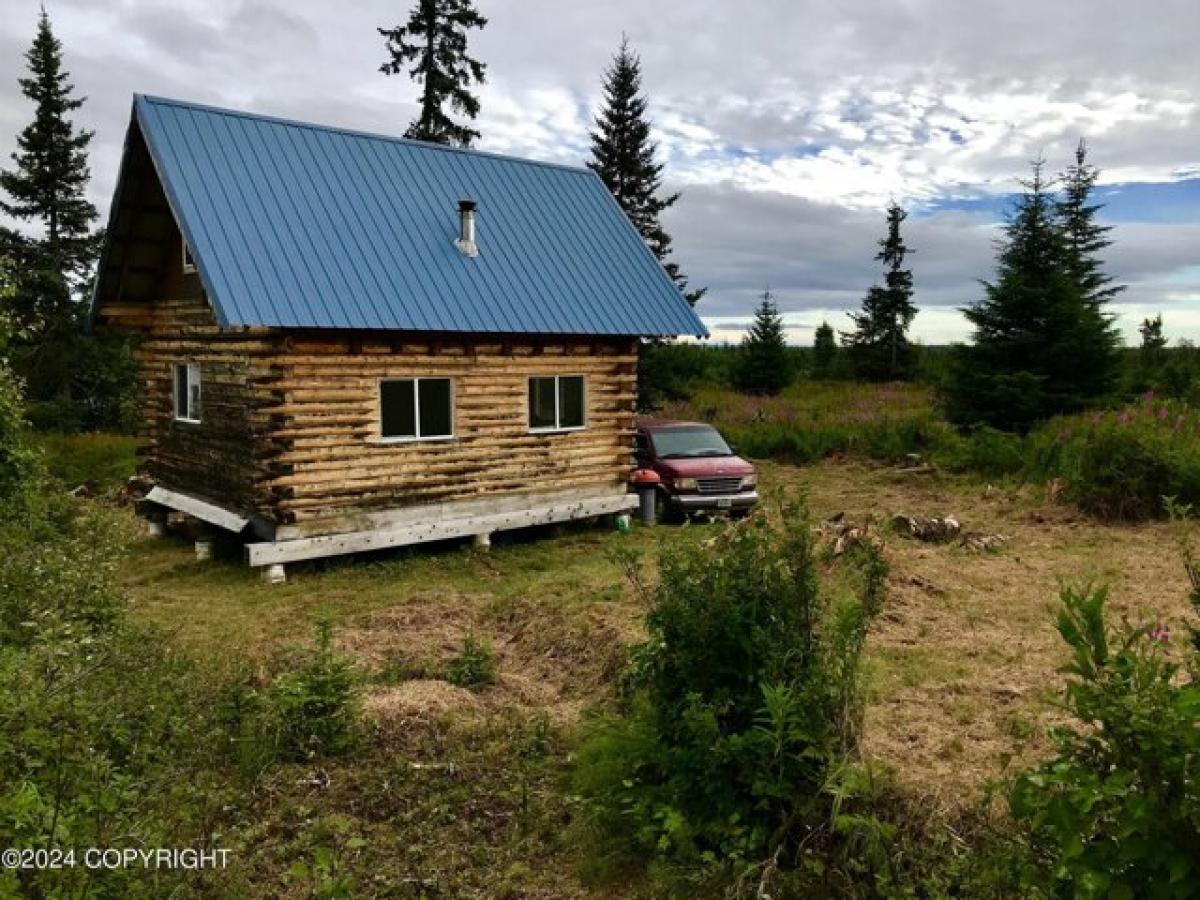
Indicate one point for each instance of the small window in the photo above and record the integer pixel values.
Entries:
(413, 409)
(557, 403)
(187, 392)
(189, 264)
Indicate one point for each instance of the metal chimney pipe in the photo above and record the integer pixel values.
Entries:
(466, 233)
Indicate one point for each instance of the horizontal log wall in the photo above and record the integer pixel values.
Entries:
(221, 458)
(330, 464)
(290, 425)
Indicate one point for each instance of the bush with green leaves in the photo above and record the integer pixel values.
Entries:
(740, 707)
(1120, 464)
(985, 451)
(315, 707)
(1116, 812)
(20, 462)
(105, 735)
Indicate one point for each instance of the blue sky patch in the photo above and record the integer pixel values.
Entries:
(1175, 201)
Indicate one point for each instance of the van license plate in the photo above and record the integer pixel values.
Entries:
(724, 502)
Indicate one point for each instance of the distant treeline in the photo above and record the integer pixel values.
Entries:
(675, 371)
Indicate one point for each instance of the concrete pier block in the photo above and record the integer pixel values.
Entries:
(274, 574)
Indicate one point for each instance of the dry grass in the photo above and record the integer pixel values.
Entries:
(964, 660)
(962, 665)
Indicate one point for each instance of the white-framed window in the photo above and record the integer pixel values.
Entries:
(416, 409)
(187, 392)
(557, 403)
(189, 264)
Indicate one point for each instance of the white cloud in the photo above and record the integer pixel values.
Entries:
(786, 124)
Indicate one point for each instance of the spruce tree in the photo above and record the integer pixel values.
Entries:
(1084, 237)
(1154, 342)
(763, 366)
(1152, 353)
(623, 155)
(72, 379)
(1039, 346)
(824, 352)
(46, 188)
(435, 42)
(878, 344)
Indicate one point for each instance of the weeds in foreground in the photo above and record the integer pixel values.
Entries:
(742, 706)
(1116, 812)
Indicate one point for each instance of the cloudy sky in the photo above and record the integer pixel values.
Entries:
(787, 124)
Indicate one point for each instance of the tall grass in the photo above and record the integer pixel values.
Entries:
(814, 419)
(1116, 464)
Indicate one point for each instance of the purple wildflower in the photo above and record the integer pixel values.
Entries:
(1159, 632)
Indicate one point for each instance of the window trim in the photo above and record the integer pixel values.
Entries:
(193, 368)
(187, 260)
(418, 437)
(556, 428)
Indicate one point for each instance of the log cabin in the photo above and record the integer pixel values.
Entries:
(348, 341)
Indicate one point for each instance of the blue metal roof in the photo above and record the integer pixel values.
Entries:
(300, 225)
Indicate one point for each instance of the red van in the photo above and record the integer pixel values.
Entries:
(700, 472)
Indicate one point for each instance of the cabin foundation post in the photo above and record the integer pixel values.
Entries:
(204, 546)
(274, 574)
(482, 541)
(156, 523)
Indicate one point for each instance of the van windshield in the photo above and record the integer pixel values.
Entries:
(681, 443)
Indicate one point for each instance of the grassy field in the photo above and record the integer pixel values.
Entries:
(459, 792)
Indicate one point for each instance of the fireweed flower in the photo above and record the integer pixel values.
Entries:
(1159, 632)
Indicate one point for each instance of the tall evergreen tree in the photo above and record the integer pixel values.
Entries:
(434, 42)
(763, 366)
(878, 344)
(824, 353)
(623, 155)
(1085, 238)
(1152, 353)
(1040, 347)
(1154, 342)
(72, 379)
(46, 188)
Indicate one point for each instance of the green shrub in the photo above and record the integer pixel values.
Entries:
(475, 665)
(1116, 812)
(1122, 463)
(102, 460)
(985, 451)
(741, 705)
(20, 463)
(315, 708)
(105, 735)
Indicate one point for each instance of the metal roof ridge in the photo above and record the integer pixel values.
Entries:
(356, 132)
